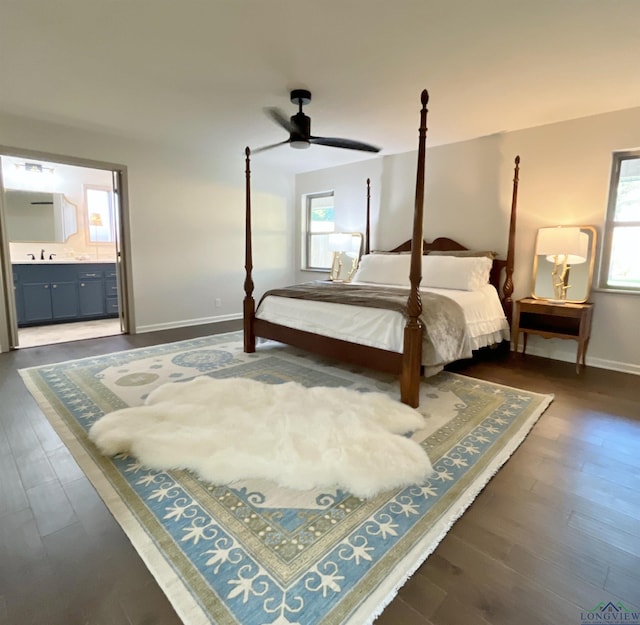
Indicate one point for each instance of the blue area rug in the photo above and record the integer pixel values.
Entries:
(255, 554)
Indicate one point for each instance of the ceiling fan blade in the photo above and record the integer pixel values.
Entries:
(280, 118)
(344, 143)
(268, 147)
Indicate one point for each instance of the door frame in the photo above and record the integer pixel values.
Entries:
(8, 317)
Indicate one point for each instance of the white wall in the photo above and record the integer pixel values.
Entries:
(186, 219)
(564, 179)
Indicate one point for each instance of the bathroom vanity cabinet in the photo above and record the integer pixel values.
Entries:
(61, 292)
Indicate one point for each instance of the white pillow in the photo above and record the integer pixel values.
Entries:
(455, 272)
(384, 269)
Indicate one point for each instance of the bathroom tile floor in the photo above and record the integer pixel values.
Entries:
(63, 332)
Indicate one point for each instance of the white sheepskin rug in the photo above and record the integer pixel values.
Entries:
(300, 438)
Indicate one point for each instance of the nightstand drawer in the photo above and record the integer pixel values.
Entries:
(550, 323)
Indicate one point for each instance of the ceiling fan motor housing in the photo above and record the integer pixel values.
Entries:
(302, 127)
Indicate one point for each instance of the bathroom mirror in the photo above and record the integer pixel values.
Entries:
(563, 263)
(33, 216)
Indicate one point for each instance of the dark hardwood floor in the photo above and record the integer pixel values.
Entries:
(556, 531)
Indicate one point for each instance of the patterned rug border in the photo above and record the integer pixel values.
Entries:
(185, 604)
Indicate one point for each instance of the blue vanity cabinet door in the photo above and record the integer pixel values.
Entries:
(64, 300)
(92, 300)
(37, 302)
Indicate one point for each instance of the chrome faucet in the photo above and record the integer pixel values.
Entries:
(41, 254)
(33, 256)
(51, 256)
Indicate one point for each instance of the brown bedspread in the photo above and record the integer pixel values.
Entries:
(445, 337)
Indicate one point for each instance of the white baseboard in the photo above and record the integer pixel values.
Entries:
(187, 322)
(601, 363)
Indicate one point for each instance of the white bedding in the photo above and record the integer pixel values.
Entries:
(384, 329)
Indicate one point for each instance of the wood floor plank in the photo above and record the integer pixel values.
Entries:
(34, 468)
(5, 448)
(22, 439)
(148, 604)
(65, 467)
(615, 471)
(594, 489)
(626, 583)
(626, 537)
(20, 542)
(491, 587)
(453, 612)
(422, 594)
(12, 494)
(49, 439)
(51, 508)
(399, 611)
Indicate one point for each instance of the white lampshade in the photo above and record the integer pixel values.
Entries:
(339, 242)
(561, 242)
(356, 242)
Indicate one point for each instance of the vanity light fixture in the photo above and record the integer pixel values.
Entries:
(35, 168)
(29, 176)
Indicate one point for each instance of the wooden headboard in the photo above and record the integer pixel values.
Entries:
(444, 244)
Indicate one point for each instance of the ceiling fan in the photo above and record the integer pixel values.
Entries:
(299, 128)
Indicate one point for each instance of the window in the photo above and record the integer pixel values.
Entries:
(100, 214)
(621, 252)
(319, 224)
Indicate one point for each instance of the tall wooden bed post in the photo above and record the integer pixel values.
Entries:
(413, 331)
(249, 303)
(507, 288)
(367, 230)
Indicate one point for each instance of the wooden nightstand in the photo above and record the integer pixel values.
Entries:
(549, 320)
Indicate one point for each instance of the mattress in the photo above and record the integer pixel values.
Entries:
(384, 329)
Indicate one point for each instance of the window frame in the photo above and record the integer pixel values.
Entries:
(309, 197)
(611, 224)
(111, 212)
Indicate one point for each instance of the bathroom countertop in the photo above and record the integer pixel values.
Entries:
(61, 261)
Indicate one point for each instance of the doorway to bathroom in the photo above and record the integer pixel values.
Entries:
(64, 261)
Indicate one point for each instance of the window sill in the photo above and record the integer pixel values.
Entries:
(615, 291)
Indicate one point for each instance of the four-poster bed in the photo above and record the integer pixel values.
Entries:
(406, 359)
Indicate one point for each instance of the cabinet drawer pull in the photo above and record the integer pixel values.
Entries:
(91, 275)
(82, 284)
(46, 286)
(55, 286)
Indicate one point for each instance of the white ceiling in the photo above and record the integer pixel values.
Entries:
(199, 72)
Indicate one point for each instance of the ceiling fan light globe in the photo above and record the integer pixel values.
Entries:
(299, 145)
